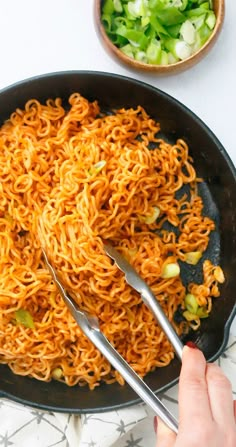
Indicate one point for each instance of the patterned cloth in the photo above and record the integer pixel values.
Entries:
(21, 426)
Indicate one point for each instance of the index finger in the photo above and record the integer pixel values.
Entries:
(194, 404)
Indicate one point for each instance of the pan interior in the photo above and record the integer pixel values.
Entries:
(218, 191)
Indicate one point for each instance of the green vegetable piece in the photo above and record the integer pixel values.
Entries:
(95, 169)
(136, 38)
(107, 22)
(170, 16)
(195, 12)
(141, 56)
(179, 48)
(173, 30)
(170, 271)
(151, 218)
(118, 5)
(188, 32)
(24, 317)
(204, 33)
(192, 257)
(108, 7)
(128, 50)
(154, 54)
(191, 303)
(145, 21)
(211, 20)
(198, 21)
(189, 316)
(129, 16)
(164, 58)
(57, 374)
(184, 5)
(202, 312)
(205, 5)
(157, 26)
(137, 8)
(172, 59)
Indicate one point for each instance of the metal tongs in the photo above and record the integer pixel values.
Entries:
(138, 284)
(90, 326)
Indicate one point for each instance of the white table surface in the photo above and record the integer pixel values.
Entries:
(55, 35)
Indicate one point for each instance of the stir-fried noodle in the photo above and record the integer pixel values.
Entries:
(74, 178)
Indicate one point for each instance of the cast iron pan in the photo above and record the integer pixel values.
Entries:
(219, 195)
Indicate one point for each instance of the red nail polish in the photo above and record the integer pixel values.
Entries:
(191, 344)
(155, 422)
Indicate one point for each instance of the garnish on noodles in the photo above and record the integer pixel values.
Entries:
(75, 177)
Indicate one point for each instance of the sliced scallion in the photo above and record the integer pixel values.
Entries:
(152, 217)
(57, 374)
(191, 303)
(189, 316)
(192, 257)
(202, 312)
(24, 317)
(170, 270)
(188, 32)
(95, 169)
(180, 27)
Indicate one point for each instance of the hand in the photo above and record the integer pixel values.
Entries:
(207, 412)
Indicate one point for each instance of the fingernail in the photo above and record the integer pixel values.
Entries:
(155, 423)
(191, 344)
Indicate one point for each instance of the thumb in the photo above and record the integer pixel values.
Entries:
(165, 436)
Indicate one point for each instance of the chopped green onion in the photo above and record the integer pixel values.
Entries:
(211, 20)
(191, 303)
(118, 5)
(24, 317)
(153, 52)
(170, 270)
(138, 8)
(95, 169)
(152, 217)
(198, 22)
(179, 48)
(188, 32)
(192, 257)
(128, 50)
(57, 374)
(195, 314)
(158, 32)
(189, 316)
(172, 59)
(145, 21)
(164, 58)
(108, 7)
(202, 312)
(141, 56)
(184, 5)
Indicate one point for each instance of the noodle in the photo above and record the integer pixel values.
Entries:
(75, 178)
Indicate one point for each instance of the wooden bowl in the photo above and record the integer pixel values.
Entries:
(219, 9)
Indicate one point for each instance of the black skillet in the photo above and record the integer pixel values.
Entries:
(219, 195)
